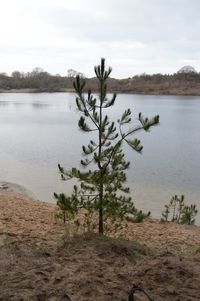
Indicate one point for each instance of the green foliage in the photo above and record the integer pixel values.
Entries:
(67, 207)
(102, 191)
(188, 214)
(138, 217)
(176, 211)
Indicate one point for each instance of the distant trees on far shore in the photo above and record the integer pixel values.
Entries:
(36, 79)
(42, 81)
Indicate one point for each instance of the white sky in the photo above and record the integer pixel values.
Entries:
(134, 36)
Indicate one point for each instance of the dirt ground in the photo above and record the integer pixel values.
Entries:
(39, 261)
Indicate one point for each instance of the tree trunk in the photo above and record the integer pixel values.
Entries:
(101, 228)
(99, 163)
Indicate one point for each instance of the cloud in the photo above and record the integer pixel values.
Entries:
(134, 35)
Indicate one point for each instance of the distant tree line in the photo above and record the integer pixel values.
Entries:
(39, 80)
(177, 83)
(36, 79)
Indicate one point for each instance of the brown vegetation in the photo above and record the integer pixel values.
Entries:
(41, 81)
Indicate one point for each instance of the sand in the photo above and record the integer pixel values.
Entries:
(39, 261)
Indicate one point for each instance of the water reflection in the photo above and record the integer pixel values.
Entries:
(39, 106)
(5, 103)
(35, 105)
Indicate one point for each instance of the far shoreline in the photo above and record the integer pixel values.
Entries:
(66, 90)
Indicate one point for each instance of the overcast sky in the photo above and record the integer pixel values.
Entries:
(135, 36)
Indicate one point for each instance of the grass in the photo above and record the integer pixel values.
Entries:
(106, 246)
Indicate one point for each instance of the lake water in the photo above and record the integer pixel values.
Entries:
(38, 131)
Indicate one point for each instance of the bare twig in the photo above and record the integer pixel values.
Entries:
(65, 297)
(138, 288)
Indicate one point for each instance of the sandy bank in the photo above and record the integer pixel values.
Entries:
(36, 264)
(28, 217)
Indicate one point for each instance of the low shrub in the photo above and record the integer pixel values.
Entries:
(177, 211)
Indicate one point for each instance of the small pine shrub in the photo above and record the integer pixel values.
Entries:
(188, 214)
(176, 211)
(138, 217)
(67, 207)
(102, 189)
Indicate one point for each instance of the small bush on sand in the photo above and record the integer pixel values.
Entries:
(176, 211)
(67, 207)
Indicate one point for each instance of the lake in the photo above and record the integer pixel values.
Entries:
(38, 131)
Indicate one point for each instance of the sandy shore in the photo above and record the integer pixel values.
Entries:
(35, 219)
(40, 265)
(18, 90)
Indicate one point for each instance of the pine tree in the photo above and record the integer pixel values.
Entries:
(102, 187)
(67, 207)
